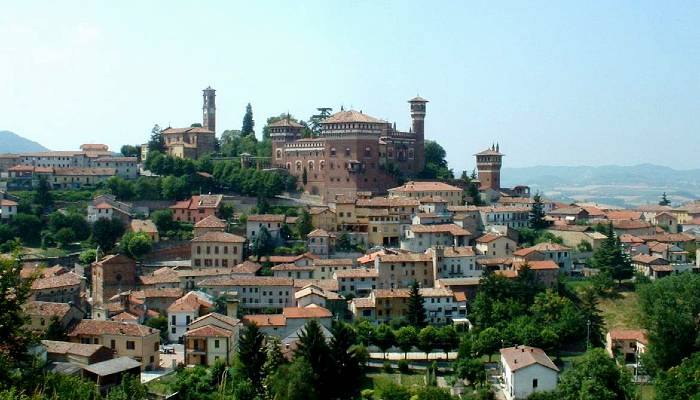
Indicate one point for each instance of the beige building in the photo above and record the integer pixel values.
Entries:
(440, 305)
(293, 271)
(217, 249)
(323, 218)
(419, 238)
(573, 235)
(76, 353)
(320, 242)
(40, 314)
(628, 343)
(146, 226)
(454, 262)
(495, 245)
(419, 190)
(401, 270)
(211, 338)
(356, 281)
(61, 288)
(325, 268)
(126, 339)
(209, 224)
(255, 292)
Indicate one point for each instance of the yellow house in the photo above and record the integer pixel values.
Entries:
(323, 218)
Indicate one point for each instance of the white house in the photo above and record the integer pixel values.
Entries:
(185, 310)
(527, 370)
(8, 208)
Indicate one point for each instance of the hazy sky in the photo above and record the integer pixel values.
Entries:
(556, 83)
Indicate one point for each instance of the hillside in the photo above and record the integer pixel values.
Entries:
(611, 184)
(11, 142)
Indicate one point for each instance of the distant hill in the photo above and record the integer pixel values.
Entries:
(11, 142)
(610, 184)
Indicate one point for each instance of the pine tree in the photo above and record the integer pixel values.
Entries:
(157, 142)
(537, 214)
(313, 348)
(304, 225)
(248, 127)
(262, 244)
(251, 355)
(416, 310)
(610, 259)
(346, 374)
(664, 200)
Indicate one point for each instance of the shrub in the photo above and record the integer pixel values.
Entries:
(403, 367)
(387, 367)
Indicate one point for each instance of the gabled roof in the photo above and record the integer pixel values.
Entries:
(91, 327)
(215, 236)
(209, 331)
(266, 218)
(78, 349)
(629, 334)
(210, 222)
(318, 233)
(312, 311)
(143, 225)
(413, 186)
(47, 309)
(453, 229)
(519, 357)
(57, 281)
(190, 302)
(350, 116)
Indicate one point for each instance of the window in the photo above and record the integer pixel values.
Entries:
(172, 330)
(347, 152)
(187, 319)
(155, 347)
(112, 344)
(216, 343)
(534, 383)
(130, 345)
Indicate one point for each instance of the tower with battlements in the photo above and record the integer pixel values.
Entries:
(488, 164)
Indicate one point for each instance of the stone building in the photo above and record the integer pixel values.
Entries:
(111, 275)
(194, 141)
(354, 152)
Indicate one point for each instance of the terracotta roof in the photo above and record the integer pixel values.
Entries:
(266, 218)
(91, 327)
(460, 296)
(7, 203)
(405, 293)
(387, 202)
(519, 357)
(356, 273)
(453, 229)
(536, 265)
(247, 281)
(306, 312)
(246, 268)
(215, 236)
(495, 261)
(624, 214)
(318, 233)
(189, 303)
(350, 116)
(502, 209)
(141, 225)
(209, 331)
(649, 259)
(630, 224)
(627, 238)
(318, 210)
(124, 316)
(489, 152)
(47, 309)
(201, 201)
(490, 237)
(57, 281)
(629, 334)
(103, 205)
(333, 262)
(542, 248)
(425, 187)
(405, 257)
(265, 320)
(291, 267)
(363, 302)
(162, 275)
(78, 349)
(669, 237)
(194, 129)
(571, 210)
(164, 292)
(569, 228)
(30, 270)
(84, 171)
(464, 251)
(284, 123)
(330, 285)
(210, 222)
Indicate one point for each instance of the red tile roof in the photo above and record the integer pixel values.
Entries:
(57, 281)
(453, 229)
(629, 334)
(209, 331)
(215, 236)
(519, 357)
(47, 309)
(91, 327)
(425, 187)
(265, 320)
(306, 312)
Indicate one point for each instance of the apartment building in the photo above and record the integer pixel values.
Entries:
(185, 310)
(401, 270)
(495, 245)
(197, 208)
(420, 190)
(126, 339)
(357, 281)
(421, 237)
(255, 292)
(454, 262)
(217, 249)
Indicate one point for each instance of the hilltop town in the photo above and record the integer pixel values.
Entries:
(323, 253)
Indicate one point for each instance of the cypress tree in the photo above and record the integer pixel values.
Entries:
(156, 142)
(251, 355)
(416, 310)
(313, 348)
(537, 214)
(346, 375)
(610, 259)
(248, 127)
(664, 200)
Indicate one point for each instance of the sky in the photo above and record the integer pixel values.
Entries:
(554, 83)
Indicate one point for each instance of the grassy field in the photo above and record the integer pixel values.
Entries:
(646, 392)
(403, 379)
(622, 312)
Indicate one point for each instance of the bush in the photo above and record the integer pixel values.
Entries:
(403, 367)
(387, 367)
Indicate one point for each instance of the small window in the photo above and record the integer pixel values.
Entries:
(534, 383)
(216, 343)
(130, 345)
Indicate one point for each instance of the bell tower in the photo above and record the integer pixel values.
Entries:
(417, 127)
(209, 109)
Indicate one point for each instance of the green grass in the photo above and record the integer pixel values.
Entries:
(646, 392)
(161, 386)
(622, 312)
(576, 284)
(404, 379)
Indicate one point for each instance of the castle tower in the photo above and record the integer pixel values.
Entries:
(209, 109)
(418, 128)
(488, 163)
(283, 131)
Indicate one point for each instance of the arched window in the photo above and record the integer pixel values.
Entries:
(279, 153)
(289, 166)
(321, 164)
(298, 165)
(311, 165)
(368, 151)
(347, 152)
(332, 151)
(410, 153)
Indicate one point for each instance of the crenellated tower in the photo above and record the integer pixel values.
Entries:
(209, 109)
(488, 163)
(418, 129)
